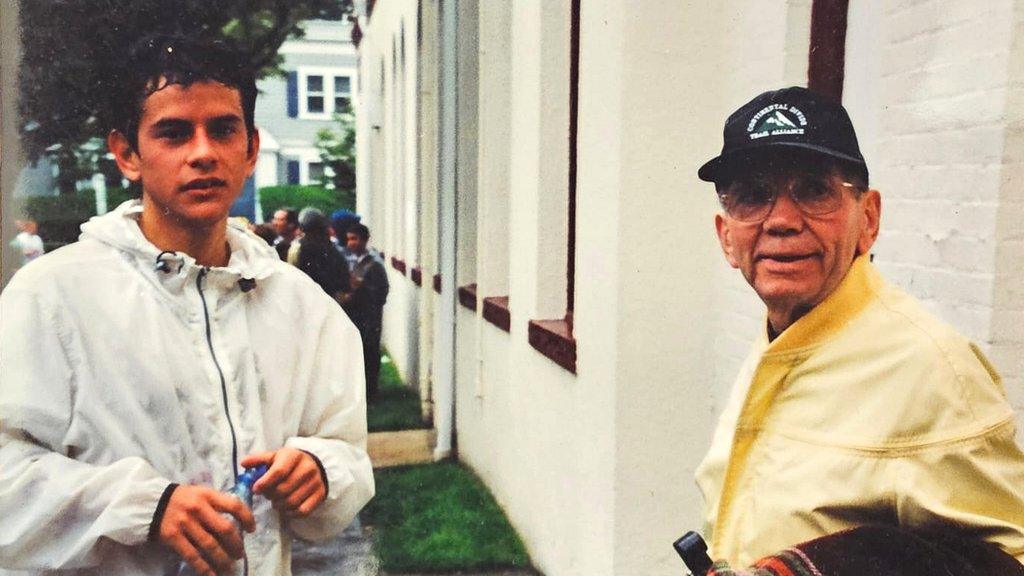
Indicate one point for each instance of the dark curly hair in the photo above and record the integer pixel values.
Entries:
(156, 62)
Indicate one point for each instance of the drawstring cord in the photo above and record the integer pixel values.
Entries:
(162, 265)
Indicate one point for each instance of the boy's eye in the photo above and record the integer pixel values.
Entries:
(223, 130)
(173, 133)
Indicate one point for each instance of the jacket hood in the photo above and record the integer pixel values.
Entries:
(251, 257)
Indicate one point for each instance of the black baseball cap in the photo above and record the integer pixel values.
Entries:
(795, 118)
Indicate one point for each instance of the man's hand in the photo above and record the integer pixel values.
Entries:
(195, 527)
(292, 483)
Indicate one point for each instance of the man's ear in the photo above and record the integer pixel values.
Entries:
(125, 155)
(725, 239)
(253, 151)
(871, 204)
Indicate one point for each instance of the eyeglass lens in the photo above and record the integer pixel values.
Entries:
(751, 199)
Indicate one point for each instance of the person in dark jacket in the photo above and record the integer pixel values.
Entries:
(318, 257)
(364, 303)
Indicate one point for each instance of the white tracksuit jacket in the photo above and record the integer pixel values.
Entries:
(117, 379)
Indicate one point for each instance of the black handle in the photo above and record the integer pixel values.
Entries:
(694, 552)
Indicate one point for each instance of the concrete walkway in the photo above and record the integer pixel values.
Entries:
(401, 448)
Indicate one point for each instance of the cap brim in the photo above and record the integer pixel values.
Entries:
(711, 169)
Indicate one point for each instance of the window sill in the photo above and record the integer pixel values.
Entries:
(496, 312)
(417, 276)
(553, 338)
(437, 283)
(467, 296)
(398, 265)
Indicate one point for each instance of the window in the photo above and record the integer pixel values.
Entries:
(342, 92)
(315, 94)
(321, 92)
(316, 173)
(304, 167)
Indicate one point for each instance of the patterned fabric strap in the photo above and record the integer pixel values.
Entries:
(791, 562)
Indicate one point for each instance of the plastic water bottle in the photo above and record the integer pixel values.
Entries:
(243, 483)
(243, 491)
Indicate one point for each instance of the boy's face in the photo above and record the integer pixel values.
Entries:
(355, 242)
(193, 154)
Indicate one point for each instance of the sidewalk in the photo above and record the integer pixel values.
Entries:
(401, 448)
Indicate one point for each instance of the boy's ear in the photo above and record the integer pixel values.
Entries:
(125, 155)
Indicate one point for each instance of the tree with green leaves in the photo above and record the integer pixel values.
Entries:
(337, 148)
(72, 49)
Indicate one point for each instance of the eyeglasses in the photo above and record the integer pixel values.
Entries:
(751, 199)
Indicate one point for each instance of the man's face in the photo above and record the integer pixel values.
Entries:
(281, 225)
(355, 242)
(794, 259)
(193, 154)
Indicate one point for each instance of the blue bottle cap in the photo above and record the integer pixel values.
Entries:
(252, 474)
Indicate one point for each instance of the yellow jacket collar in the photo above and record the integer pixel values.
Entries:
(858, 288)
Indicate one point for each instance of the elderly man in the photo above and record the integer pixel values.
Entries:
(286, 224)
(856, 407)
(142, 368)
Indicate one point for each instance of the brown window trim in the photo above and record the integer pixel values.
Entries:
(467, 296)
(553, 338)
(496, 312)
(827, 56)
(417, 275)
(357, 33)
(437, 283)
(574, 107)
(398, 265)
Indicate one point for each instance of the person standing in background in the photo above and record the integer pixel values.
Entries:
(365, 302)
(286, 223)
(27, 242)
(318, 257)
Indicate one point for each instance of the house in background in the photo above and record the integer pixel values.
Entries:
(319, 80)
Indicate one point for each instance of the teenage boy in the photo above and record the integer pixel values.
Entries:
(143, 366)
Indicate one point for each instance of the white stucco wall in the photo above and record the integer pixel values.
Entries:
(388, 139)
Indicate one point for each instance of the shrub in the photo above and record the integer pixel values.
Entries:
(59, 217)
(273, 198)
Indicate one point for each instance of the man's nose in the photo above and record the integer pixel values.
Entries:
(785, 216)
(202, 155)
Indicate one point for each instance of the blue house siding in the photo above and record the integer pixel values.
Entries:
(245, 205)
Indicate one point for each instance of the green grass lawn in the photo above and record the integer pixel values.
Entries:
(396, 407)
(439, 517)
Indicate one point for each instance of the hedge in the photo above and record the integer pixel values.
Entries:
(59, 217)
(272, 198)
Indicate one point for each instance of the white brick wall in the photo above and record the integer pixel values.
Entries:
(931, 89)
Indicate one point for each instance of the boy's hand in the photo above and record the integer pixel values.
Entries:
(195, 527)
(292, 483)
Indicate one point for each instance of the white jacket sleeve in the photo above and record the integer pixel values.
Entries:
(333, 428)
(56, 512)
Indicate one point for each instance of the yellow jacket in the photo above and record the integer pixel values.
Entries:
(866, 410)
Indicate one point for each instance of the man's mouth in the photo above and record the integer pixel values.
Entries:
(203, 184)
(785, 257)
